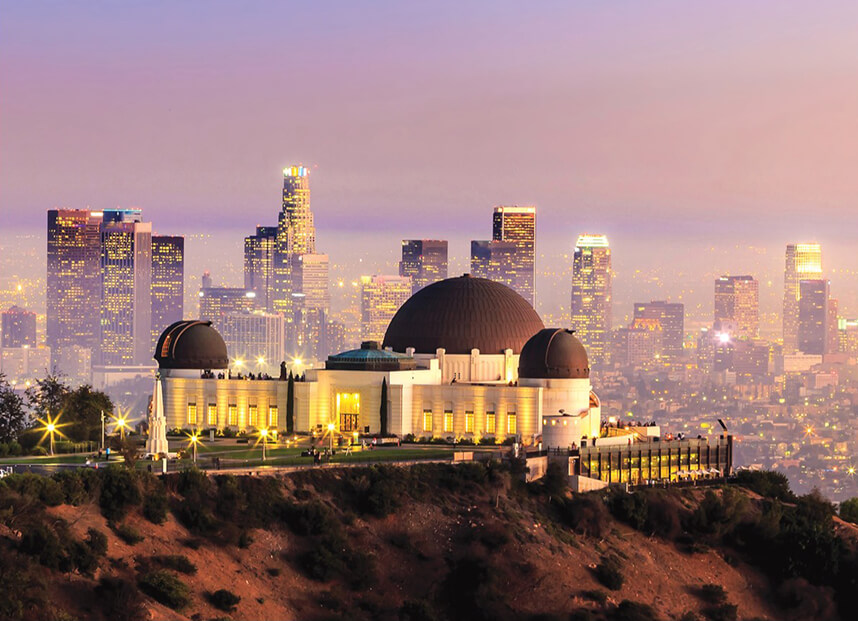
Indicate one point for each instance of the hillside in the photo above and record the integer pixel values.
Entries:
(426, 542)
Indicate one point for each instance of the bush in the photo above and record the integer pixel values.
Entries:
(166, 588)
(416, 611)
(722, 612)
(633, 611)
(766, 483)
(128, 533)
(600, 597)
(176, 562)
(224, 600)
(42, 543)
(75, 487)
(120, 599)
(34, 486)
(119, 492)
(586, 514)
(155, 506)
(849, 510)
(712, 594)
(609, 574)
(97, 541)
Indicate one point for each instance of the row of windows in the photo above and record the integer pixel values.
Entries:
(253, 418)
(491, 422)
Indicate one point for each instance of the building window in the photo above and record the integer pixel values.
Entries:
(511, 423)
(251, 413)
(192, 413)
(348, 410)
(272, 416)
(448, 421)
(427, 421)
(232, 420)
(490, 422)
(212, 415)
(469, 421)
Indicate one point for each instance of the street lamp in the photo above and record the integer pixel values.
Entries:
(121, 423)
(264, 435)
(194, 440)
(331, 428)
(50, 428)
(102, 430)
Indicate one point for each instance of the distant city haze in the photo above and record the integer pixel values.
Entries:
(685, 132)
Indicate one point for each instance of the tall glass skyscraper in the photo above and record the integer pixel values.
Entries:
(424, 261)
(591, 306)
(168, 282)
(259, 264)
(737, 306)
(671, 318)
(381, 297)
(296, 235)
(126, 288)
(803, 262)
(518, 225)
(813, 320)
(73, 292)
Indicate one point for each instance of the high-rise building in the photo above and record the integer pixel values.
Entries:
(255, 341)
(19, 327)
(424, 261)
(518, 225)
(168, 282)
(813, 316)
(671, 316)
(494, 260)
(737, 302)
(217, 301)
(126, 288)
(381, 297)
(591, 295)
(310, 282)
(259, 264)
(73, 292)
(296, 234)
(803, 261)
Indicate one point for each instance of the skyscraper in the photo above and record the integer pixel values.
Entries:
(381, 297)
(255, 341)
(591, 295)
(424, 261)
(813, 334)
(737, 303)
(296, 234)
(671, 316)
(259, 264)
(73, 292)
(494, 260)
(518, 225)
(168, 282)
(803, 261)
(217, 301)
(126, 288)
(19, 327)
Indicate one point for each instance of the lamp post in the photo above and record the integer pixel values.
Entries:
(102, 430)
(121, 423)
(331, 428)
(194, 440)
(264, 434)
(50, 428)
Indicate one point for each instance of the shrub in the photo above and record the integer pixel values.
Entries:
(166, 588)
(41, 542)
(119, 492)
(224, 600)
(586, 514)
(600, 597)
(766, 483)
(155, 506)
(79, 556)
(176, 562)
(722, 612)
(244, 539)
(127, 533)
(630, 508)
(196, 516)
(849, 510)
(633, 611)
(37, 487)
(74, 488)
(712, 594)
(416, 611)
(608, 573)
(97, 541)
(120, 599)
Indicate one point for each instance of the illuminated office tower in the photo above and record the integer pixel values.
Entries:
(494, 260)
(126, 288)
(218, 301)
(803, 261)
(295, 234)
(813, 316)
(591, 295)
(73, 292)
(671, 317)
(424, 261)
(518, 225)
(168, 282)
(311, 303)
(832, 345)
(259, 264)
(737, 302)
(19, 327)
(255, 341)
(381, 297)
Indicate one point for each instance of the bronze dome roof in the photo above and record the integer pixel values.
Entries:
(554, 353)
(191, 345)
(461, 314)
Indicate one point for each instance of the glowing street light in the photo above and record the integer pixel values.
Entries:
(50, 426)
(260, 360)
(194, 439)
(121, 424)
(331, 429)
(263, 434)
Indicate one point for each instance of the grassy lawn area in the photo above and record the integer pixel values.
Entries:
(78, 458)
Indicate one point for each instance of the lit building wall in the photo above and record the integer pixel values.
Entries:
(803, 261)
(381, 297)
(259, 264)
(813, 316)
(671, 317)
(255, 341)
(424, 261)
(217, 301)
(19, 327)
(737, 301)
(168, 282)
(518, 225)
(296, 234)
(591, 304)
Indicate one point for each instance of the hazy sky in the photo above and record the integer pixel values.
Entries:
(713, 123)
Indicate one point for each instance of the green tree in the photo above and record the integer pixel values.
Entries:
(82, 409)
(849, 510)
(13, 414)
(47, 397)
(382, 414)
(290, 404)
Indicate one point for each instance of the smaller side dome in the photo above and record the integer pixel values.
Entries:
(191, 344)
(554, 353)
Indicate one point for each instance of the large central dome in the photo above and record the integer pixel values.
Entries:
(461, 314)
